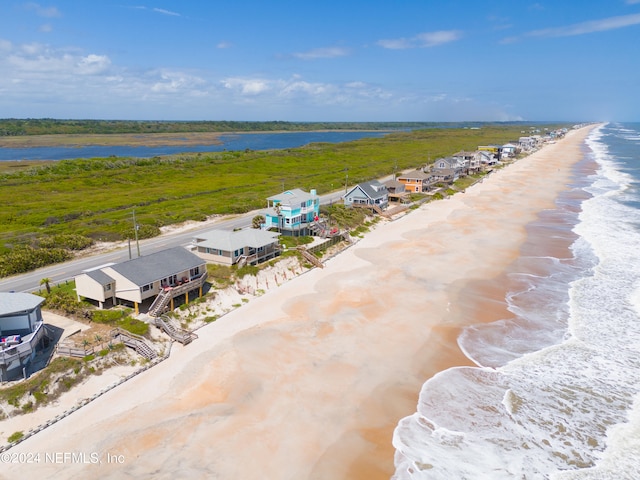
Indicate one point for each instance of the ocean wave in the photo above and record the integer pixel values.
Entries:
(558, 393)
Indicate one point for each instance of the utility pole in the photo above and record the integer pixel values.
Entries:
(346, 180)
(135, 230)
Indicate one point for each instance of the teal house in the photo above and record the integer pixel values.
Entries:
(292, 212)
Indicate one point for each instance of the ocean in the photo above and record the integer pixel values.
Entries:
(556, 391)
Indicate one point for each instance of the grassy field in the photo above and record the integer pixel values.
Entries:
(96, 197)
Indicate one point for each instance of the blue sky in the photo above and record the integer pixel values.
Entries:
(413, 60)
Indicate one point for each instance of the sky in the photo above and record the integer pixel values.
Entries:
(375, 60)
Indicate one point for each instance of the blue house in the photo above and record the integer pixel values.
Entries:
(292, 212)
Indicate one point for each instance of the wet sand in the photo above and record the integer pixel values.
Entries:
(309, 380)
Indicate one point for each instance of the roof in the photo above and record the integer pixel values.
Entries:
(148, 269)
(293, 197)
(18, 302)
(415, 174)
(230, 241)
(100, 277)
(372, 189)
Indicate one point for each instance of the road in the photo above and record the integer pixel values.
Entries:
(61, 272)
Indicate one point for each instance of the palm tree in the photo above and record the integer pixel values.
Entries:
(45, 282)
(257, 221)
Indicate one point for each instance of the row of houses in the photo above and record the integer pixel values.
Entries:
(180, 272)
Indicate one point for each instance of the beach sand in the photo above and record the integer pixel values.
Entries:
(310, 379)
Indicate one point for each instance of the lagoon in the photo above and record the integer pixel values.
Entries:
(228, 142)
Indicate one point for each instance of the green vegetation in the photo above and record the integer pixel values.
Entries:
(15, 436)
(48, 126)
(52, 209)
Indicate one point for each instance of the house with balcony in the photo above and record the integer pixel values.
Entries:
(22, 332)
(248, 246)
(470, 161)
(169, 273)
(372, 194)
(447, 169)
(416, 181)
(292, 212)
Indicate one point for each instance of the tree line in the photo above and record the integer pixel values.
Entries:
(48, 126)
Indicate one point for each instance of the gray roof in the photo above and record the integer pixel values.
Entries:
(293, 197)
(150, 268)
(230, 241)
(18, 302)
(100, 277)
(415, 175)
(372, 189)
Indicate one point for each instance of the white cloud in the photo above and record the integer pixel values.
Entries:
(166, 12)
(175, 82)
(92, 64)
(223, 45)
(584, 28)
(328, 52)
(47, 12)
(431, 39)
(245, 86)
(422, 40)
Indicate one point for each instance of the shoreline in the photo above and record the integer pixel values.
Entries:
(308, 353)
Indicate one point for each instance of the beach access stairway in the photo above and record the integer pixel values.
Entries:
(138, 343)
(168, 293)
(178, 334)
(321, 229)
(310, 257)
(373, 207)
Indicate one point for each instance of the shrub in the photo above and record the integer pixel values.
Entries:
(15, 436)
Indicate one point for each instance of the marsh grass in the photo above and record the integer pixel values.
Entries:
(95, 197)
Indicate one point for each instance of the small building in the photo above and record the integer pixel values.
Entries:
(372, 194)
(292, 212)
(21, 332)
(247, 246)
(175, 270)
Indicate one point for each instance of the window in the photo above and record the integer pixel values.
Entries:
(146, 288)
(194, 272)
(107, 287)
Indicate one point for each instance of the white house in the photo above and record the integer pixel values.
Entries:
(247, 246)
(137, 280)
(21, 332)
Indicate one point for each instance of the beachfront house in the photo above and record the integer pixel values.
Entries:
(371, 194)
(416, 181)
(509, 150)
(396, 191)
(446, 169)
(246, 246)
(292, 212)
(470, 161)
(22, 332)
(173, 272)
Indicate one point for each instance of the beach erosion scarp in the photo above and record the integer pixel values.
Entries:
(310, 379)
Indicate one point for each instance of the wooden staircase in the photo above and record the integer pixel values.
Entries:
(176, 333)
(138, 343)
(164, 297)
(160, 303)
(372, 207)
(310, 257)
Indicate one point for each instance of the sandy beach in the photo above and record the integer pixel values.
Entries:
(309, 380)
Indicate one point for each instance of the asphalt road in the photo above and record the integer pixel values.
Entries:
(61, 272)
